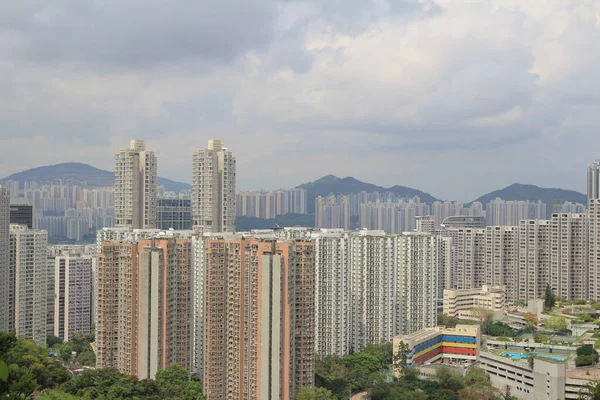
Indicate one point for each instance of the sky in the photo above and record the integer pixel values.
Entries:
(453, 97)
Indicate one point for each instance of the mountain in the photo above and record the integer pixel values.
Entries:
(517, 191)
(332, 184)
(81, 173)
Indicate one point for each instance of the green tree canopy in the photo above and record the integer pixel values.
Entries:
(314, 393)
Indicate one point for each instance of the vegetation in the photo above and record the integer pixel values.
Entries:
(531, 321)
(590, 392)
(249, 223)
(586, 355)
(549, 299)
(31, 370)
(558, 324)
(447, 385)
(489, 327)
(314, 393)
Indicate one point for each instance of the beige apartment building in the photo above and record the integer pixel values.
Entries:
(135, 187)
(534, 259)
(258, 318)
(466, 303)
(143, 305)
(213, 189)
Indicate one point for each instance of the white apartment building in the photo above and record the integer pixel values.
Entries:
(534, 251)
(469, 246)
(73, 288)
(333, 293)
(6, 278)
(135, 187)
(29, 266)
(593, 193)
(463, 303)
(501, 258)
(374, 290)
(569, 270)
(420, 264)
(213, 188)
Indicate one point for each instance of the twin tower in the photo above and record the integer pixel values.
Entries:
(213, 188)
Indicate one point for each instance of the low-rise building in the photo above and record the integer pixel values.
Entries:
(439, 344)
(466, 303)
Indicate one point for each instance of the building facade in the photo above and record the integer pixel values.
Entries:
(73, 293)
(174, 214)
(534, 259)
(144, 305)
(7, 287)
(213, 189)
(569, 267)
(28, 267)
(21, 214)
(438, 344)
(135, 187)
(466, 303)
(258, 322)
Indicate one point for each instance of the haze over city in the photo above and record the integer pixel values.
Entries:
(454, 98)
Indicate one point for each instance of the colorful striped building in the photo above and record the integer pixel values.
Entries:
(439, 344)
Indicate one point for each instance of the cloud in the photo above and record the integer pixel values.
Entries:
(452, 97)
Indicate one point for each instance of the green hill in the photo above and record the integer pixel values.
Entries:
(550, 196)
(80, 173)
(332, 184)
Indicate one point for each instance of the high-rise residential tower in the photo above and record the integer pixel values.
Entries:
(143, 305)
(28, 265)
(593, 192)
(569, 273)
(73, 295)
(6, 278)
(135, 187)
(258, 317)
(534, 259)
(213, 188)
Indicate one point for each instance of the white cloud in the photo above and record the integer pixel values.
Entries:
(453, 97)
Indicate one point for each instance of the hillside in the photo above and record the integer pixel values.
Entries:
(81, 173)
(550, 196)
(332, 184)
(244, 224)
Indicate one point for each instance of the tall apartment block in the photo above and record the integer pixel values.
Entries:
(258, 317)
(534, 259)
(135, 187)
(333, 293)
(6, 277)
(271, 204)
(420, 264)
(502, 258)
(73, 288)
(28, 266)
(213, 188)
(593, 192)
(469, 246)
(373, 298)
(569, 269)
(143, 305)
(331, 213)
(21, 214)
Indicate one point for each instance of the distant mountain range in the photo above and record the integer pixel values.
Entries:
(82, 173)
(332, 184)
(518, 191)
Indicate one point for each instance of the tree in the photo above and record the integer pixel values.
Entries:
(51, 340)
(314, 393)
(174, 382)
(531, 321)
(449, 379)
(445, 320)
(549, 298)
(482, 315)
(400, 356)
(558, 324)
(383, 352)
(65, 352)
(591, 391)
